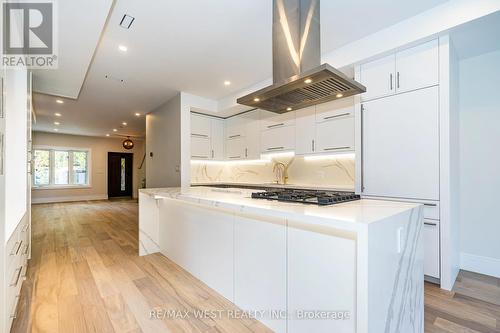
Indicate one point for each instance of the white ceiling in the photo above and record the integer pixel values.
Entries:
(189, 45)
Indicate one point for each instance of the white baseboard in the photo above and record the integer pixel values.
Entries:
(69, 198)
(479, 264)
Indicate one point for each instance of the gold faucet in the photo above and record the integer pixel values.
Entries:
(281, 172)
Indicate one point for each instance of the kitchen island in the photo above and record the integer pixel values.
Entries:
(350, 267)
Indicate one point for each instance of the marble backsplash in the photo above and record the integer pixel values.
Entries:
(335, 172)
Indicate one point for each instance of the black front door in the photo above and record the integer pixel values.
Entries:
(120, 174)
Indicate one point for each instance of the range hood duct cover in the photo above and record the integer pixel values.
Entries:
(298, 78)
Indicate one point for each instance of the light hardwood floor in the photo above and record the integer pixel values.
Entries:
(85, 276)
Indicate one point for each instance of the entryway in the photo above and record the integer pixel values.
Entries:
(120, 174)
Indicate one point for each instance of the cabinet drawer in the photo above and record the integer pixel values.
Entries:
(431, 248)
(336, 109)
(270, 120)
(278, 139)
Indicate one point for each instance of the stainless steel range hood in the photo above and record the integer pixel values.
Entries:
(298, 78)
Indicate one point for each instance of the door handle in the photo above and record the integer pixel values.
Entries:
(234, 136)
(336, 116)
(275, 148)
(335, 148)
(239, 156)
(199, 135)
(275, 125)
(199, 156)
(390, 81)
(431, 224)
(362, 180)
(397, 80)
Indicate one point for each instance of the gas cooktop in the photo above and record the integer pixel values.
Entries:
(321, 198)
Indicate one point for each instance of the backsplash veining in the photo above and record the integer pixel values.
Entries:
(334, 172)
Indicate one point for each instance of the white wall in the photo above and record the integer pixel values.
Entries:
(99, 166)
(480, 163)
(163, 140)
(15, 147)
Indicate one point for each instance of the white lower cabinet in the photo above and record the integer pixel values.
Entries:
(431, 248)
(260, 267)
(203, 247)
(315, 284)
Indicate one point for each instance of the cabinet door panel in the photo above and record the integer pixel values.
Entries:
(252, 132)
(260, 267)
(315, 284)
(335, 135)
(235, 149)
(431, 248)
(200, 126)
(417, 67)
(305, 130)
(401, 145)
(235, 127)
(217, 139)
(378, 77)
(200, 148)
(271, 120)
(278, 139)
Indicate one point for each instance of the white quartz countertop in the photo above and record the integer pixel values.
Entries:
(350, 215)
(275, 185)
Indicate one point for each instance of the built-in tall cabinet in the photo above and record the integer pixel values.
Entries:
(15, 137)
(402, 134)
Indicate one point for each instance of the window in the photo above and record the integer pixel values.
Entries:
(61, 167)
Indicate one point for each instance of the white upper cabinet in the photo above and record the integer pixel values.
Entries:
(207, 137)
(235, 127)
(405, 70)
(217, 139)
(235, 148)
(278, 139)
(417, 67)
(252, 132)
(335, 126)
(305, 130)
(200, 148)
(200, 126)
(400, 146)
(270, 120)
(335, 135)
(378, 77)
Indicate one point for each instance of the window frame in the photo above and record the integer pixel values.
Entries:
(70, 150)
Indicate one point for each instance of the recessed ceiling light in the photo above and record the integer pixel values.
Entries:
(339, 95)
(256, 99)
(289, 109)
(308, 81)
(107, 134)
(227, 83)
(55, 129)
(56, 123)
(59, 101)
(115, 130)
(122, 48)
(57, 114)
(124, 124)
(137, 114)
